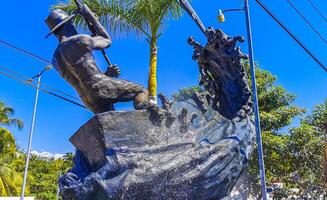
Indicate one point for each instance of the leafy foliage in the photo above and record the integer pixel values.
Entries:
(306, 150)
(275, 103)
(318, 118)
(144, 17)
(43, 174)
(10, 179)
(186, 93)
(297, 153)
(43, 180)
(124, 16)
(5, 116)
(276, 112)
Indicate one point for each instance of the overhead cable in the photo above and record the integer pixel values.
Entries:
(42, 84)
(41, 89)
(294, 37)
(32, 55)
(317, 10)
(307, 21)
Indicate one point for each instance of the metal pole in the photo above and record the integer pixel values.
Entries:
(30, 137)
(58, 188)
(255, 101)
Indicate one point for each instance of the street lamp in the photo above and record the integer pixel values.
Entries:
(38, 76)
(221, 18)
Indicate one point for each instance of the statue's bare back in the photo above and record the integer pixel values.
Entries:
(74, 60)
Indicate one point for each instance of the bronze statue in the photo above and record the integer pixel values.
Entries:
(223, 74)
(192, 149)
(74, 60)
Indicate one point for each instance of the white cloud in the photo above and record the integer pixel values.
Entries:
(47, 155)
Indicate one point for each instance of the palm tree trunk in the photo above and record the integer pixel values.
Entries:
(152, 84)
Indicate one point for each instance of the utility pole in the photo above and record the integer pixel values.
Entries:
(58, 188)
(255, 102)
(38, 76)
(221, 18)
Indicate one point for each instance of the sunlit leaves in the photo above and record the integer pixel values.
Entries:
(143, 17)
(5, 116)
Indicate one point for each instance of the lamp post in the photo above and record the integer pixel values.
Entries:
(38, 76)
(221, 18)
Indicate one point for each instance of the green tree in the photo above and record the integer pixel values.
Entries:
(306, 148)
(318, 119)
(10, 179)
(186, 93)
(43, 179)
(276, 112)
(43, 174)
(142, 16)
(305, 154)
(6, 113)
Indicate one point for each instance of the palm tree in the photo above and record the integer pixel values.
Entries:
(5, 116)
(144, 17)
(10, 179)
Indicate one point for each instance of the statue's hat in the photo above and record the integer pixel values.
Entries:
(57, 19)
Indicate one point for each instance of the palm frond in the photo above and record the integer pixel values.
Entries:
(122, 17)
(12, 121)
(10, 180)
(4, 109)
(113, 14)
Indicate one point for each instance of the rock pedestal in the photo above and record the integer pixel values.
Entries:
(109, 130)
(192, 154)
(196, 150)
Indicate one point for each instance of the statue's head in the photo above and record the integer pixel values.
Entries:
(60, 24)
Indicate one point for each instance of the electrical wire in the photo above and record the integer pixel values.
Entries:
(32, 55)
(42, 84)
(294, 37)
(307, 21)
(41, 89)
(25, 52)
(317, 10)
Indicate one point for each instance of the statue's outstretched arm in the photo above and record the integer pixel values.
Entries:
(102, 39)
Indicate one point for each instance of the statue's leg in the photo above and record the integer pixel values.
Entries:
(157, 114)
(141, 100)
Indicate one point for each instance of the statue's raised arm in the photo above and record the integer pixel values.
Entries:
(101, 39)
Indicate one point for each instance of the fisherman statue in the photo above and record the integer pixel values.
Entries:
(74, 60)
(194, 149)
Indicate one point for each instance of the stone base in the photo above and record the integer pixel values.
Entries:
(192, 153)
(133, 129)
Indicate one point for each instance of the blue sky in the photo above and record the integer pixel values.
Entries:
(23, 25)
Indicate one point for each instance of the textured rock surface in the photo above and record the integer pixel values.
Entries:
(196, 150)
(143, 160)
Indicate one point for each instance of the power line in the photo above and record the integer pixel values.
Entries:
(25, 52)
(294, 37)
(42, 89)
(42, 84)
(317, 10)
(307, 21)
(32, 55)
